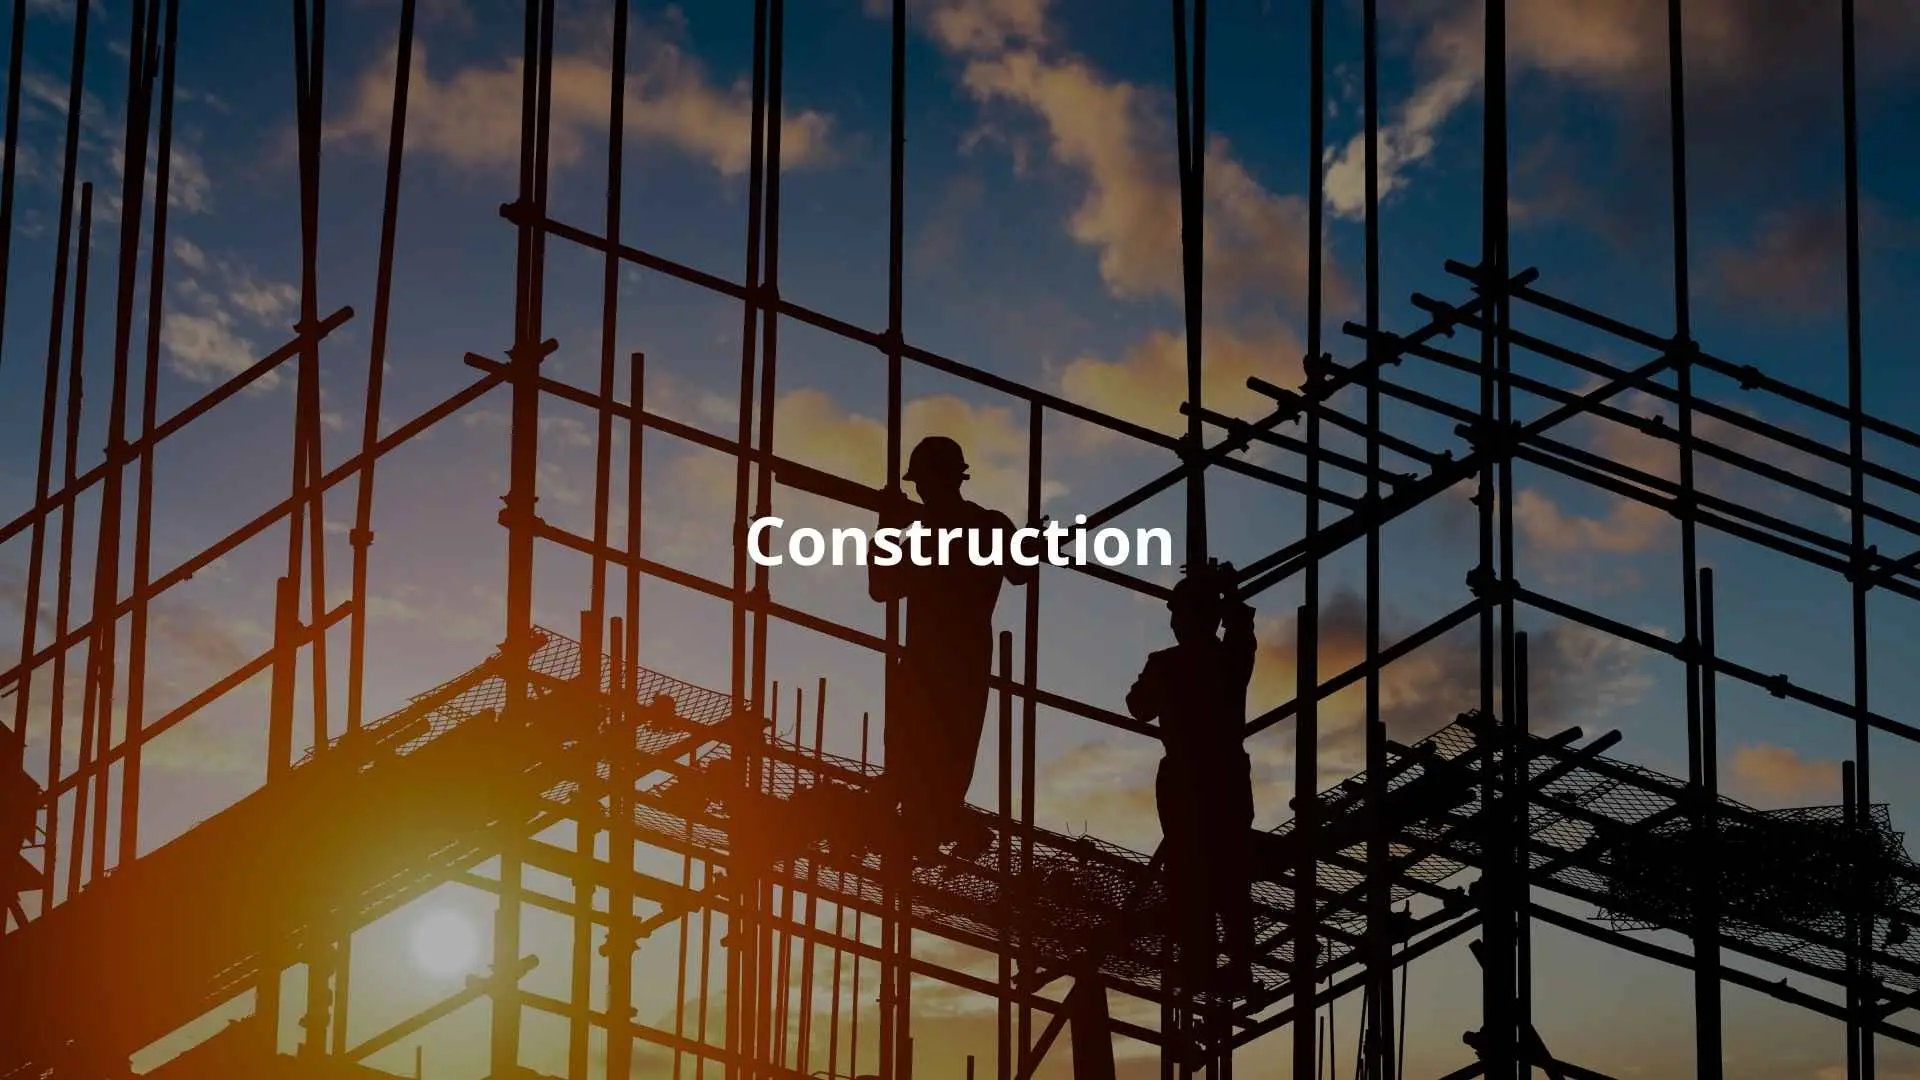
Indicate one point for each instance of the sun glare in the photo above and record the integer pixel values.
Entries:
(446, 944)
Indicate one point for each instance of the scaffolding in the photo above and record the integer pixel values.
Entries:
(554, 729)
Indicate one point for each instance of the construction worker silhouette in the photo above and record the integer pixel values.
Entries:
(1197, 692)
(937, 688)
(19, 810)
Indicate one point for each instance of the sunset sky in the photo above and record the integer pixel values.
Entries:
(1042, 245)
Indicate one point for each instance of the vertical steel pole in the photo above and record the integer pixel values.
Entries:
(1307, 684)
(143, 497)
(1190, 103)
(310, 64)
(803, 1050)
(1706, 972)
(1850, 800)
(1861, 1041)
(769, 314)
(1709, 940)
(595, 616)
(286, 610)
(1378, 1058)
(49, 417)
(104, 643)
(64, 585)
(1003, 1010)
(9, 160)
(896, 928)
(522, 480)
(853, 1035)
(781, 989)
(740, 930)
(360, 537)
(76, 394)
(621, 845)
(1029, 725)
(1499, 1034)
(1306, 1050)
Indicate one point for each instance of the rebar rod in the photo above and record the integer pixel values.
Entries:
(1860, 1039)
(143, 497)
(63, 598)
(76, 394)
(49, 421)
(1377, 1057)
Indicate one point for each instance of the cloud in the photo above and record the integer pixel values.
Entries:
(1779, 774)
(1118, 140)
(1147, 385)
(1405, 141)
(213, 301)
(188, 253)
(456, 13)
(1575, 675)
(46, 95)
(1753, 81)
(1839, 1072)
(189, 187)
(1610, 43)
(564, 430)
(189, 648)
(1792, 266)
(1109, 132)
(974, 25)
(206, 348)
(1103, 786)
(694, 503)
(472, 117)
(1628, 528)
(1631, 527)
(102, 140)
(812, 428)
(264, 301)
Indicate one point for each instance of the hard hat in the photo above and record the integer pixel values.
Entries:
(1204, 585)
(936, 456)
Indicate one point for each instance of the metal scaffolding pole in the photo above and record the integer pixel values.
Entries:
(1332, 933)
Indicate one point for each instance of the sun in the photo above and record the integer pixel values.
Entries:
(445, 944)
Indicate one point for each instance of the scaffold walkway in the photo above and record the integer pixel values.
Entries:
(435, 788)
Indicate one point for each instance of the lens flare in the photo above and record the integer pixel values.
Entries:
(446, 944)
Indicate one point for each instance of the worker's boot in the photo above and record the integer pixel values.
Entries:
(969, 837)
(1236, 981)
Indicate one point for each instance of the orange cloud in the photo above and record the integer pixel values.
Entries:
(1632, 527)
(1575, 675)
(1792, 266)
(1116, 137)
(1148, 384)
(1629, 528)
(812, 428)
(472, 117)
(1256, 241)
(1618, 46)
(979, 25)
(1781, 774)
(1839, 1072)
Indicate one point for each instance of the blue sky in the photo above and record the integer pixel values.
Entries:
(1041, 245)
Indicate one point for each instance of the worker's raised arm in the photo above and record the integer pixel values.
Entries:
(1143, 698)
(886, 583)
(1239, 642)
(1015, 573)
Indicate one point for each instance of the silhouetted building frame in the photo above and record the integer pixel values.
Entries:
(753, 885)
